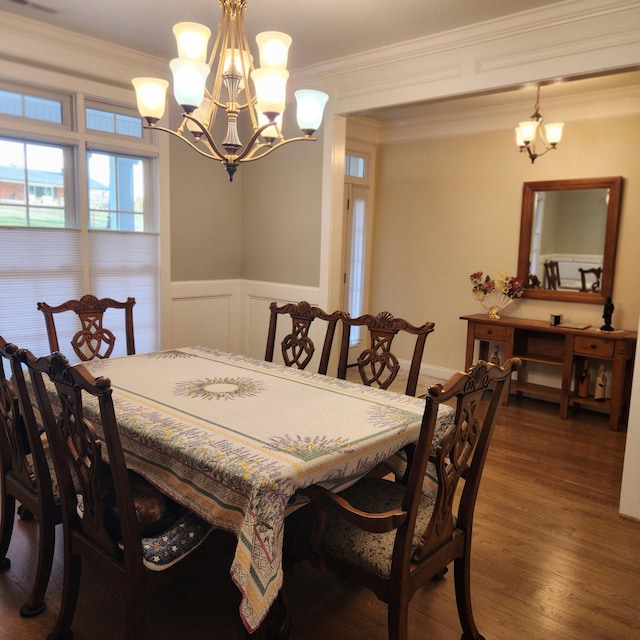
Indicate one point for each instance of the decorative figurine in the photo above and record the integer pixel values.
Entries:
(606, 314)
(495, 358)
(583, 384)
(601, 383)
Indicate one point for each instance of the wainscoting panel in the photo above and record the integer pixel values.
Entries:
(206, 313)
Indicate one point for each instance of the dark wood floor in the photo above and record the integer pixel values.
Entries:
(552, 558)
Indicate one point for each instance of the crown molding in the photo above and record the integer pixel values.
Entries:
(34, 43)
(591, 105)
(520, 25)
(564, 40)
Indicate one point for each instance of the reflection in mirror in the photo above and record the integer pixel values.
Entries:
(568, 238)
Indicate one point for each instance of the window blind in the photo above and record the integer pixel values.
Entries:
(128, 264)
(37, 265)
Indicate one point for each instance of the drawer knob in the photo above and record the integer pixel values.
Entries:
(593, 346)
(489, 331)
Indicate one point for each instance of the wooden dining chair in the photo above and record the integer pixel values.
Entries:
(93, 339)
(596, 272)
(377, 364)
(26, 476)
(297, 347)
(112, 518)
(394, 536)
(552, 274)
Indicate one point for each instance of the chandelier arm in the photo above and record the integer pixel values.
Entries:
(216, 155)
(250, 146)
(216, 151)
(254, 155)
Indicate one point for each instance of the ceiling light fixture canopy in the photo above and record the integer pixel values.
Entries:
(234, 66)
(527, 132)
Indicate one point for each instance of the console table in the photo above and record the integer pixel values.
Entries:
(562, 347)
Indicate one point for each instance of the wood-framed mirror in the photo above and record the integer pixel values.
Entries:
(568, 239)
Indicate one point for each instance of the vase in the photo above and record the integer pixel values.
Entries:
(495, 302)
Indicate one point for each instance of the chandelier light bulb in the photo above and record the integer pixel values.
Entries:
(528, 130)
(192, 40)
(553, 132)
(311, 105)
(274, 48)
(271, 89)
(151, 94)
(189, 78)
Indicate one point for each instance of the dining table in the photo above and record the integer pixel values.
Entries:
(236, 439)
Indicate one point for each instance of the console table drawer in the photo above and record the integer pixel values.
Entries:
(596, 347)
(490, 333)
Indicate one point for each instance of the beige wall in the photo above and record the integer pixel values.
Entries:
(450, 206)
(205, 218)
(281, 204)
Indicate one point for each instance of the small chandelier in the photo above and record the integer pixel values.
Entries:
(201, 105)
(527, 131)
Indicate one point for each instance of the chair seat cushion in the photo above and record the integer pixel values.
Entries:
(184, 536)
(370, 551)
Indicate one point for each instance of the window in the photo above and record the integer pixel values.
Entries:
(357, 228)
(354, 166)
(77, 216)
(113, 122)
(31, 104)
(116, 192)
(25, 106)
(32, 184)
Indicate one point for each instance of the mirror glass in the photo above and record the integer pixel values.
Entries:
(568, 238)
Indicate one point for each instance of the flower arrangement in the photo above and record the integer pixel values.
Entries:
(510, 286)
(495, 294)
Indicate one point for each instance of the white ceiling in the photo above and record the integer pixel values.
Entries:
(321, 29)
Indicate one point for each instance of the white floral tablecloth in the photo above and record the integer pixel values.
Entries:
(233, 439)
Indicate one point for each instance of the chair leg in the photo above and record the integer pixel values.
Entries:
(398, 619)
(46, 547)
(462, 574)
(69, 598)
(7, 516)
(135, 607)
(135, 621)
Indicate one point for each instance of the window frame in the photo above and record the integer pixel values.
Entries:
(79, 141)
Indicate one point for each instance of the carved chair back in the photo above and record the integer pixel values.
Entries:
(377, 364)
(93, 340)
(596, 272)
(297, 347)
(552, 274)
